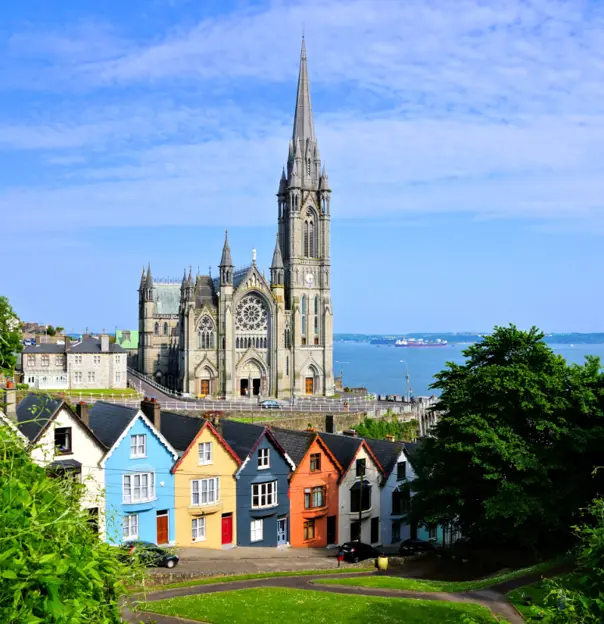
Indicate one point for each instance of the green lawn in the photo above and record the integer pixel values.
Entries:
(412, 584)
(262, 605)
(212, 580)
(537, 591)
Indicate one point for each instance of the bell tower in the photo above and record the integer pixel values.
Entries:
(304, 238)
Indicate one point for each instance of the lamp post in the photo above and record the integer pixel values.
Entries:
(407, 383)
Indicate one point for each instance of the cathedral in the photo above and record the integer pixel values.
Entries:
(237, 334)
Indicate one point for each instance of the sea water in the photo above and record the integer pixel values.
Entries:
(379, 368)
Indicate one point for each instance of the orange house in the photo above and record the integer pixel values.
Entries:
(313, 489)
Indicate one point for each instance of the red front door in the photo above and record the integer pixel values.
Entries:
(227, 529)
(162, 528)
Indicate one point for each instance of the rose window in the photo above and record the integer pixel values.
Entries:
(251, 315)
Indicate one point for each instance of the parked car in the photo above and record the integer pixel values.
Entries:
(414, 547)
(357, 551)
(270, 404)
(152, 555)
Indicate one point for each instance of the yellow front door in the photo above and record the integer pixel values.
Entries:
(309, 385)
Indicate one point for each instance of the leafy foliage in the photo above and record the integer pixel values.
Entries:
(10, 336)
(51, 331)
(53, 567)
(379, 429)
(514, 450)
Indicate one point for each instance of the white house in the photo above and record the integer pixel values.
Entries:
(61, 440)
(359, 491)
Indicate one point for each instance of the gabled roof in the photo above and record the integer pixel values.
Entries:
(34, 413)
(412, 449)
(45, 348)
(244, 438)
(386, 452)
(109, 420)
(90, 344)
(179, 430)
(345, 449)
(296, 443)
(206, 424)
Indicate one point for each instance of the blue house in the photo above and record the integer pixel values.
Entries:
(138, 483)
(262, 484)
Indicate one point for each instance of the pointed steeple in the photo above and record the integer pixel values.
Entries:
(149, 280)
(282, 183)
(324, 182)
(303, 122)
(277, 257)
(143, 279)
(226, 260)
(183, 284)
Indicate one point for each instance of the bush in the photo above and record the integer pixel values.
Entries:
(22, 386)
(53, 567)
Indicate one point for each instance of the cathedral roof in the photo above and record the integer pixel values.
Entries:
(205, 291)
(166, 298)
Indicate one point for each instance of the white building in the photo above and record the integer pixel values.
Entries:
(359, 491)
(62, 441)
(90, 363)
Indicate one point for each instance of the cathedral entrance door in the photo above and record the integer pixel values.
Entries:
(205, 387)
(310, 385)
(256, 386)
(243, 387)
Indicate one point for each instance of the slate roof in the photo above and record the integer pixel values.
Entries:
(34, 412)
(386, 452)
(166, 298)
(295, 443)
(45, 348)
(108, 421)
(343, 447)
(242, 437)
(90, 344)
(240, 275)
(204, 291)
(179, 430)
(412, 451)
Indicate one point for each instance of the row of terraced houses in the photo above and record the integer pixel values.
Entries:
(174, 479)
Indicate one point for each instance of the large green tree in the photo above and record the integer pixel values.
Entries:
(53, 567)
(516, 443)
(10, 336)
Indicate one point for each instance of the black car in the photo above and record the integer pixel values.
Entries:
(357, 551)
(414, 547)
(150, 554)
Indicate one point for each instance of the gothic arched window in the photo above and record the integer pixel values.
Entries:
(310, 236)
(303, 319)
(156, 329)
(308, 167)
(165, 329)
(205, 333)
(316, 328)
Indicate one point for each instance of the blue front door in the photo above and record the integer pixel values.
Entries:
(281, 531)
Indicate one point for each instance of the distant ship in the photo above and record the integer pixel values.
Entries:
(418, 343)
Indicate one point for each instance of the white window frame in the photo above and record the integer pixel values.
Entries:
(77, 376)
(205, 488)
(257, 530)
(204, 454)
(266, 491)
(31, 359)
(130, 522)
(96, 360)
(264, 459)
(45, 361)
(198, 529)
(78, 360)
(91, 376)
(138, 445)
(133, 486)
(118, 377)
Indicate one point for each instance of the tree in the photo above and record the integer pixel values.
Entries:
(53, 567)
(379, 429)
(59, 329)
(10, 337)
(51, 331)
(515, 445)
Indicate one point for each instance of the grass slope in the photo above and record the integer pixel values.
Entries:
(420, 585)
(259, 606)
(537, 591)
(212, 580)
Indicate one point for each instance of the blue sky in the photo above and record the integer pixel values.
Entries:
(464, 142)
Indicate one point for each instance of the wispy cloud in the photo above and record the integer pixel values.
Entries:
(493, 109)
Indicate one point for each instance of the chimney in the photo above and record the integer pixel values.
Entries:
(310, 428)
(67, 343)
(350, 433)
(329, 428)
(104, 343)
(390, 438)
(9, 404)
(82, 412)
(213, 417)
(152, 410)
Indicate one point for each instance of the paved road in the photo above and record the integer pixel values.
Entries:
(492, 598)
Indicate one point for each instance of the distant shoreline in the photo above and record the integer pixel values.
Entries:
(467, 338)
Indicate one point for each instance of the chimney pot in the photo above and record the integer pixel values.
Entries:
(152, 410)
(82, 412)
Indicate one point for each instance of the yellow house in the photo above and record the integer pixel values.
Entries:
(205, 492)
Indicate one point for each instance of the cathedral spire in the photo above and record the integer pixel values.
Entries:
(149, 280)
(226, 260)
(277, 257)
(303, 122)
(143, 279)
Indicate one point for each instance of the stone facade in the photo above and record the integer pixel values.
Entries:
(88, 364)
(238, 334)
